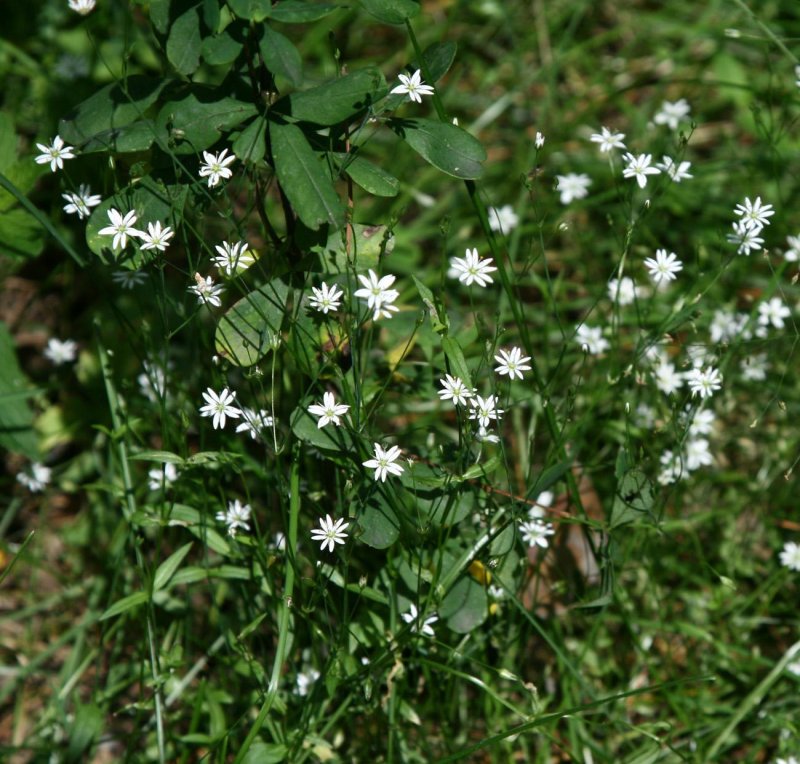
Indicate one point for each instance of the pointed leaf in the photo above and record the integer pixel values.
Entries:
(465, 606)
(183, 43)
(281, 56)
(125, 604)
(250, 144)
(167, 569)
(379, 523)
(391, 11)
(369, 176)
(298, 12)
(458, 364)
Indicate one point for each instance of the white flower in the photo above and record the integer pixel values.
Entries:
(797, 74)
(792, 255)
(453, 389)
(80, 202)
(543, 500)
(471, 269)
(152, 382)
(328, 411)
(304, 681)
(591, 339)
(55, 154)
(121, 228)
(755, 367)
(678, 171)
(538, 140)
(725, 325)
(36, 479)
(233, 257)
(607, 140)
(746, 239)
(704, 382)
(666, 378)
(330, 533)
(624, 290)
(697, 454)
(219, 406)
(128, 279)
(754, 215)
(535, 533)
(672, 468)
(161, 477)
(425, 627)
(81, 6)
(664, 267)
(701, 423)
(216, 166)
(639, 168)
(790, 556)
(484, 410)
(61, 352)
(773, 312)
(206, 290)
(254, 422)
(378, 295)
(503, 219)
(512, 363)
(484, 436)
(573, 186)
(413, 86)
(384, 462)
(671, 113)
(644, 416)
(325, 298)
(235, 517)
(156, 236)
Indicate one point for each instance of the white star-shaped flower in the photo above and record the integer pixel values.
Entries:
(512, 363)
(607, 140)
(79, 203)
(54, 154)
(329, 410)
(664, 267)
(677, 171)
(219, 406)
(325, 298)
(384, 462)
(471, 269)
(413, 86)
(206, 290)
(216, 166)
(572, 186)
(236, 516)
(704, 382)
(379, 296)
(424, 627)
(330, 532)
(484, 410)
(453, 389)
(121, 228)
(639, 168)
(156, 237)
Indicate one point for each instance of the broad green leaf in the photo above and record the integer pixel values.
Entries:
(189, 518)
(16, 418)
(438, 59)
(305, 426)
(447, 147)
(222, 49)
(161, 457)
(391, 11)
(336, 101)
(23, 175)
(634, 498)
(298, 12)
(303, 178)
(248, 331)
(252, 10)
(370, 177)
(366, 245)
(281, 56)
(167, 569)
(197, 120)
(445, 507)
(266, 753)
(8, 143)
(125, 604)
(20, 234)
(183, 43)
(250, 144)
(465, 606)
(87, 722)
(458, 364)
(379, 523)
(101, 122)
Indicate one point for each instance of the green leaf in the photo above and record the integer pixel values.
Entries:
(303, 178)
(266, 753)
(16, 418)
(190, 518)
(87, 724)
(252, 10)
(281, 56)
(246, 333)
(458, 364)
(438, 59)
(379, 523)
(183, 43)
(20, 234)
(369, 176)
(391, 11)
(305, 426)
(250, 144)
(336, 101)
(167, 569)
(298, 12)
(447, 147)
(197, 120)
(439, 321)
(221, 49)
(367, 243)
(103, 121)
(125, 604)
(8, 143)
(465, 606)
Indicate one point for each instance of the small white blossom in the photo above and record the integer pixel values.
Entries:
(671, 113)
(697, 454)
(591, 339)
(83, 7)
(538, 140)
(384, 462)
(121, 228)
(484, 410)
(607, 141)
(667, 380)
(639, 168)
(572, 186)
(677, 171)
(157, 237)
(755, 367)
(330, 533)
(206, 290)
(754, 215)
(152, 382)
(329, 410)
(746, 239)
(425, 627)
(701, 423)
(254, 422)
(536, 533)
(216, 166)
(663, 268)
(503, 219)
(55, 154)
(60, 352)
(304, 681)
(484, 436)
(233, 257)
(379, 296)
(80, 203)
(543, 501)
(624, 290)
(773, 312)
(704, 382)
(219, 406)
(792, 254)
(235, 517)
(128, 279)
(644, 416)
(471, 269)
(790, 556)
(36, 478)
(672, 468)
(161, 477)
(726, 325)
(325, 298)
(453, 389)
(512, 363)
(412, 86)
